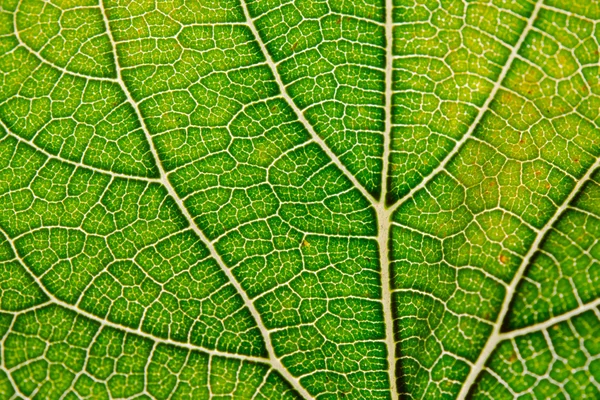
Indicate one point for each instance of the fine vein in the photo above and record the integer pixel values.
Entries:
(496, 336)
(106, 323)
(315, 137)
(274, 361)
(497, 85)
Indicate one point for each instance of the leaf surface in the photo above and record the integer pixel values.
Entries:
(301, 199)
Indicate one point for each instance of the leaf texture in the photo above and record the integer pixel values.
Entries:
(319, 199)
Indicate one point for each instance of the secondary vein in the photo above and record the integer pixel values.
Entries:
(315, 137)
(106, 323)
(498, 84)
(496, 336)
(274, 361)
(550, 322)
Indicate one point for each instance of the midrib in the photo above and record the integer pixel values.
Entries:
(384, 214)
(474, 372)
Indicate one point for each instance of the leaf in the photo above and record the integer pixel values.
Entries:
(304, 199)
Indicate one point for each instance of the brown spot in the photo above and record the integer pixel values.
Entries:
(538, 173)
(305, 243)
(503, 259)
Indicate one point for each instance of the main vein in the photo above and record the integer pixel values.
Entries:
(492, 340)
(274, 361)
(383, 214)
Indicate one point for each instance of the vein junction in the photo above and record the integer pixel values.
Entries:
(297, 199)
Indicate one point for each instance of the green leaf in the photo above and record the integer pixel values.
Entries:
(265, 199)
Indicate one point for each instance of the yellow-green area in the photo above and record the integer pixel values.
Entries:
(204, 199)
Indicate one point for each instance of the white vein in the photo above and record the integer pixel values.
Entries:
(48, 62)
(274, 361)
(495, 337)
(497, 85)
(383, 214)
(3, 362)
(550, 322)
(315, 137)
(74, 163)
(106, 323)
